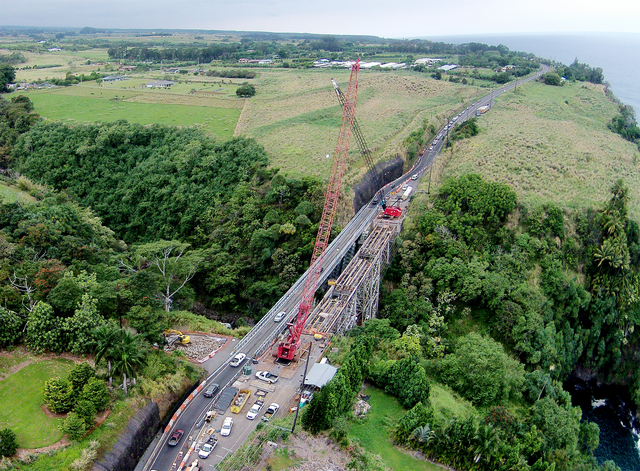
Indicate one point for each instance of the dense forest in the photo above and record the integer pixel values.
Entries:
(501, 303)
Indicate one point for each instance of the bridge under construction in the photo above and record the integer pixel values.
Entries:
(353, 298)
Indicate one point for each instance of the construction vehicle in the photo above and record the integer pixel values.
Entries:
(175, 336)
(482, 110)
(392, 212)
(240, 400)
(406, 193)
(287, 348)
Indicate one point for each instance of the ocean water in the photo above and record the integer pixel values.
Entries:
(618, 54)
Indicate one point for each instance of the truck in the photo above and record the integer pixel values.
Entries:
(240, 400)
(406, 193)
(273, 408)
(482, 110)
(392, 212)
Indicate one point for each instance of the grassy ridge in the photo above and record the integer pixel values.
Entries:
(552, 144)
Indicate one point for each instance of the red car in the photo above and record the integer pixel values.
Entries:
(175, 437)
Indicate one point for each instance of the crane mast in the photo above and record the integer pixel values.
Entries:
(287, 348)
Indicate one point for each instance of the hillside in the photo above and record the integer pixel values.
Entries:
(552, 144)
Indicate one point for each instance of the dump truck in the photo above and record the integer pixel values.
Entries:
(482, 110)
(240, 400)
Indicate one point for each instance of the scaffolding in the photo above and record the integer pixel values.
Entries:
(354, 297)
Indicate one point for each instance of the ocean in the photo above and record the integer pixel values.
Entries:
(618, 54)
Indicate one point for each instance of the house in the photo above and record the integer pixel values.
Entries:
(171, 71)
(52, 49)
(114, 78)
(447, 67)
(160, 84)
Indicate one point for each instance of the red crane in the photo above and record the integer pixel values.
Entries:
(287, 348)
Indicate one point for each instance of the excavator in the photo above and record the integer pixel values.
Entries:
(173, 336)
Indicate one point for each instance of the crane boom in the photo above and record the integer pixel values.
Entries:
(364, 150)
(287, 348)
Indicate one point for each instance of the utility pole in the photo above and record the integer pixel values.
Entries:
(295, 419)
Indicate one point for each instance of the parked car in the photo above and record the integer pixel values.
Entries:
(255, 408)
(175, 437)
(266, 376)
(238, 359)
(208, 448)
(273, 408)
(281, 315)
(227, 425)
(211, 390)
(306, 396)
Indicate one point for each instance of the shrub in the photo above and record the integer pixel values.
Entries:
(74, 426)
(58, 395)
(96, 392)
(8, 442)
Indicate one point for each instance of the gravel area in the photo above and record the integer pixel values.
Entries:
(200, 347)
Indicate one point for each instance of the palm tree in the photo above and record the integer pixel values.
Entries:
(485, 443)
(129, 356)
(106, 339)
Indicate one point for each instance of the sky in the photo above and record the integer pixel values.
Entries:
(384, 18)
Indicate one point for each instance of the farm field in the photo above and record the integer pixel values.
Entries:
(21, 403)
(552, 144)
(296, 114)
(89, 103)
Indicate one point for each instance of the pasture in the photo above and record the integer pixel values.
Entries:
(296, 116)
(89, 102)
(552, 144)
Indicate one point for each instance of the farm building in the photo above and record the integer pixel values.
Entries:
(447, 67)
(160, 84)
(114, 78)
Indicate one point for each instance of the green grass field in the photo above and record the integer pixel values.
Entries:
(77, 104)
(21, 403)
(373, 433)
(552, 144)
(9, 194)
(296, 116)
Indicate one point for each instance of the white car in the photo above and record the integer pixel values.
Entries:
(227, 425)
(255, 409)
(281, 315)
(208, 448)
(414, 176)
(238, 359)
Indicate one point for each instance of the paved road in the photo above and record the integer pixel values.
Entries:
(162, 457)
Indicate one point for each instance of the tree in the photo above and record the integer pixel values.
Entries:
(11, 330)
(85, 409)
(175, 266)
(44, 330)
(80, 328)
(419, 416)
(58, 395)
(96, 391)
(8, 442)
(74, 426)
(246, 91)
(481, 371)
(407, 380)
(7, 76)
(128, 357)
(551, 78)
(79, 376)
(105, 339)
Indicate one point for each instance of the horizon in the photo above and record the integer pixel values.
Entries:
(411, 19)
